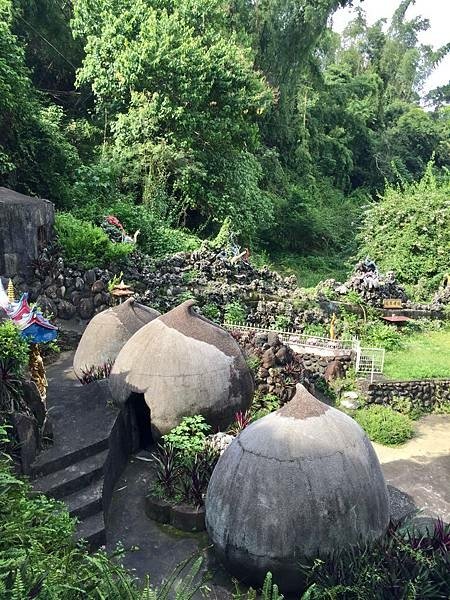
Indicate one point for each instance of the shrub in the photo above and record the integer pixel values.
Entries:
(13, 347)
(188, 437)
(383, 336)
(211, 311)
(282, 322)
(95, 372)
(86, 245)
(40, 559)
(235, 313)
(384, 425)
(407, 231)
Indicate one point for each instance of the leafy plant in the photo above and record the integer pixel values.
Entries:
(384, 425)
(196, 474)
(168, 468)
(269, 591)
(190, 276)
(262, 405)
(253, 363)
(241, 421)
(85, 244)
(10, 387)
(404, 563)
(14, 349)
(235, 313)
(211, 311)
(281, 323)
(189, 437)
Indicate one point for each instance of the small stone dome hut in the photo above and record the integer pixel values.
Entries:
(108, 332)
(184, 365)
(301, 482)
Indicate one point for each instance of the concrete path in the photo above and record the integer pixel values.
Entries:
(421, 466)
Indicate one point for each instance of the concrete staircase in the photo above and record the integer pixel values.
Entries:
(77, 480)
(72, 469)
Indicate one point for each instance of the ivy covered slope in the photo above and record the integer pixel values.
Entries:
(408, 230)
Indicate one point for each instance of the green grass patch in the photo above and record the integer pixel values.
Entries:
(423, 356)
(384, 425)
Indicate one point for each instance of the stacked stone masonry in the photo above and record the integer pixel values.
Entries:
(423, 393)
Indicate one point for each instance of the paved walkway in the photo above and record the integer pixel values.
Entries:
(421, 466)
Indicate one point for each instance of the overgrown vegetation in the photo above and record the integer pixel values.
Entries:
(184, 463)
(255, 114)
(404, 563)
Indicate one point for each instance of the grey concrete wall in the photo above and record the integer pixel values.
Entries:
(21, 218)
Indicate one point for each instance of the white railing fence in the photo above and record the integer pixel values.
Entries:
(368, 361)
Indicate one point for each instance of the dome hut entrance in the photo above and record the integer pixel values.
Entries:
(140, 422)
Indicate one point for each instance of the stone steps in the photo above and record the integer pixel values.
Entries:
(87, 501)
(79, 484)
(92, 529)
(52, 460)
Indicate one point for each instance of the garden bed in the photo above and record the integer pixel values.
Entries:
(181, 516)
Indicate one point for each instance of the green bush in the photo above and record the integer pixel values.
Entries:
(381, 335)
(86, 245)
(235, 313)
(384, 425)
(405, 563)
(13, 347)
(211, 311)
(189, 436)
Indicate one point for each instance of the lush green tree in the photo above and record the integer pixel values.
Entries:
(182, 102)
(35, 156)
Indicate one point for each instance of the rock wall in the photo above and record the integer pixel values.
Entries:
(423, 394)
(65, 292)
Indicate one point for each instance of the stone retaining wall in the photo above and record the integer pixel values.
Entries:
(65, 292)
(423, 393)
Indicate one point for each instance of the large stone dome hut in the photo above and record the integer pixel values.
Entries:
(184, 365)
(107, 333)
(301, 482)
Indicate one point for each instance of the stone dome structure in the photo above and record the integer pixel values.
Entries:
(107, 333)
(301, 482)
(184, 365)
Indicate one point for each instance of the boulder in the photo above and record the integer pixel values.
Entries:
(107, 333)
(184, 365)
(301, 482)
(334, 370)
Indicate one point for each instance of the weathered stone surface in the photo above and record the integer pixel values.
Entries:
(108, 332)
(184, 365)
(301, 482)
(25, 224)
(26, 430)
(66, 310)
(334, 370)
(86, 309)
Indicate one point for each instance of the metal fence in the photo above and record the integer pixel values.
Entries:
(369, 361)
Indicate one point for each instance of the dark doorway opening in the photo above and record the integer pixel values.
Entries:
(140, 422)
